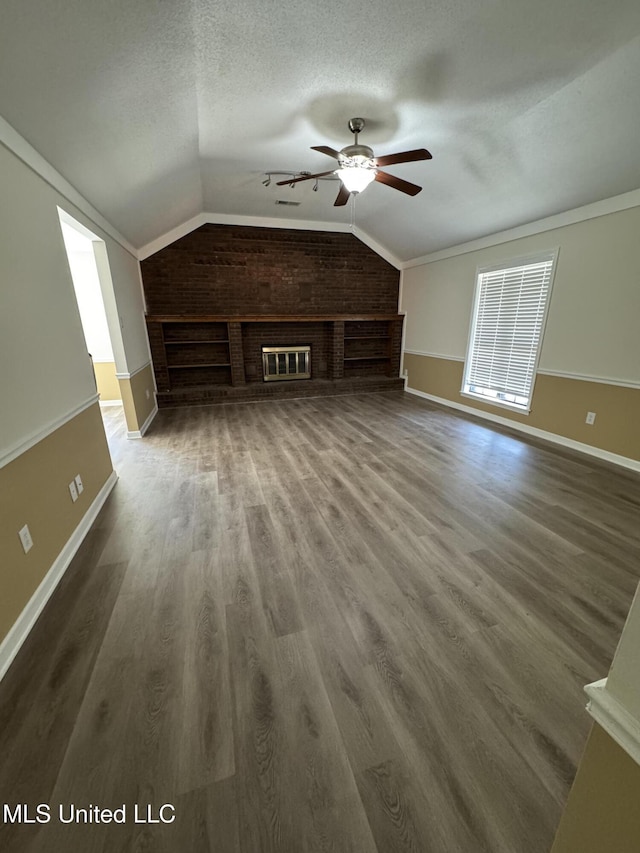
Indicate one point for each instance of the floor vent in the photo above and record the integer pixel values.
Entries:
(288, 203)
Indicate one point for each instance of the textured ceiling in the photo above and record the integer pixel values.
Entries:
(157, 110)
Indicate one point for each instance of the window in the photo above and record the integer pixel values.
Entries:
(506, 331)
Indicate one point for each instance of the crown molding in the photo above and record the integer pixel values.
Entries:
(24, 151)
(559, 220)
(378, 248)
(232, 219)
(263, 222)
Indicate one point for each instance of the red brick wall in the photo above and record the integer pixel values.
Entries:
(232, 269)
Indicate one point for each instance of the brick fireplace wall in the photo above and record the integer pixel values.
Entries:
(231, 269)
(288, 277)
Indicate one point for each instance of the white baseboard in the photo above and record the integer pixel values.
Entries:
(104, 404)
(617, 459)
(138, 433)
(614, 718)
(19, 632)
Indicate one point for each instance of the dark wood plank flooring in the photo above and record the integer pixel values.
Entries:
(343, 624)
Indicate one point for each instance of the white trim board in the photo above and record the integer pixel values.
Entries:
(615, 458)
(562, 374)
(235, 219)
(378, 248)
(264, 222)
(133, 372)
(105, 404)
(18, 145)
(21, 628)
(138, 433)
(433, 355)
(27, 443)
(614, 718)
(549, 223)
(584, 377)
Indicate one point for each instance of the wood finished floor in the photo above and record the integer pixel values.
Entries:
(356, 624)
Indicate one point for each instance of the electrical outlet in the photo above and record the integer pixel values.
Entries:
(25, 537)
(73, 491)
(590, 419)
(148, 393)
(79, 484)
(405, 372)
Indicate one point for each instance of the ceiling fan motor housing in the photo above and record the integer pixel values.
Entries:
(357, 155)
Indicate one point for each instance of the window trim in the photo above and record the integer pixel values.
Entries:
(509, 263)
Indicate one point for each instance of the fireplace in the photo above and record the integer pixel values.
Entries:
(200, 359)
(286, 362)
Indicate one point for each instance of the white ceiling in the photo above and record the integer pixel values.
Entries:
(158, 110)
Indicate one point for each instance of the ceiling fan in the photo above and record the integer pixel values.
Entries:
(358, 167)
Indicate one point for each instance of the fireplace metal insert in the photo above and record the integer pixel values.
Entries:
(287, 362)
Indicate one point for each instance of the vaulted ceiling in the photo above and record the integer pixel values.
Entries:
(158, 110)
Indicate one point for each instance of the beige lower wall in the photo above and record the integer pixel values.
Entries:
(602, 812)
(559, 404)
(34, 490)
(107, 381)
(138, 398)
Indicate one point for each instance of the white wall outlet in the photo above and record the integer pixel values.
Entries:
(590, 419)
(148, 393)
(73, 491)
(79, 484)
(405, 372)
(25, 537)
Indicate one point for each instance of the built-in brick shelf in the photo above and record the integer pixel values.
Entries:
(205, 359)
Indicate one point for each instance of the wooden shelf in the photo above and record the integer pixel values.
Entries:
(207, 364)
(367, 337)
(209, 341)
(267, 318)
(369, 358)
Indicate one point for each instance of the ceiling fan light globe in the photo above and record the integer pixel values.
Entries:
(356, 178)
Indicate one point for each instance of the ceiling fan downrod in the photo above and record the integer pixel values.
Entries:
(362, 152)
(356, 126)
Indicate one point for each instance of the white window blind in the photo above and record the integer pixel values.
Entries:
(506, 332)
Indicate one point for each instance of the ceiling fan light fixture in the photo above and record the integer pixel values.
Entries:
(356, 178)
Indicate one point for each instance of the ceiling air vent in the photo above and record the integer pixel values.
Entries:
(288, 203)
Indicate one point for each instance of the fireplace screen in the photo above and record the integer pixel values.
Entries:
(290, 362)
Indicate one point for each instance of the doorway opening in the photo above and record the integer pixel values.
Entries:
(89, 269)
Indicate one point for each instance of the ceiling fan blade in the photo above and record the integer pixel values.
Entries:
(404, 157)
(397, 183)
(343, 196)
(324, 149)
(303, 178)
